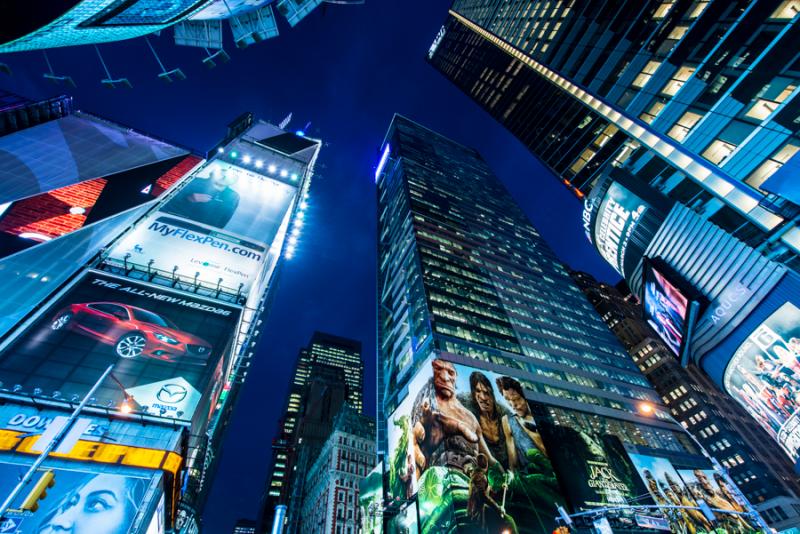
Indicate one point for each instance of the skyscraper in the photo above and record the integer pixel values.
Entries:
(135, 272)
(481, 329)
(676, 123)
(755, 463)
(328, 372)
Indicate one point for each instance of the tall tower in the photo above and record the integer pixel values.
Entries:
(328, 372)
(491, 359)
(677, 125)
(135, 275)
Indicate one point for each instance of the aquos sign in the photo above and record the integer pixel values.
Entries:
(617, 217)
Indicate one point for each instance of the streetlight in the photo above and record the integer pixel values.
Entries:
(648, 409)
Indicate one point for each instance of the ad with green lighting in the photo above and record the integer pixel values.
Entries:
(466, 443)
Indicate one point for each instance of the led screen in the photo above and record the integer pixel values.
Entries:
(191, 251)
(665, 309)
(764, 376)
(232, 199)
(167, 348)
(138, 12)
(79, 502)
(465, 440)
(617, 218)
(370, 501)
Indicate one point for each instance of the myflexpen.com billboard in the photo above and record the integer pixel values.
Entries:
(167, 347)
(192, 251)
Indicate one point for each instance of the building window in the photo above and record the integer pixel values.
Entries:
(698, 9)
(787, 10)
(650, 115)
(769, 100)
(678, 32)
(647, 73)
(718, 151)
(677, 81)
(684, 124)
(772, 164)
(663, 10)
(582, 160)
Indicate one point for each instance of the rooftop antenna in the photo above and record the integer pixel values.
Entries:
(108, 81)
(220, 56)
(166, 75)
(53, 77)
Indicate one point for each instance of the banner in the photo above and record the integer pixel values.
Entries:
(79, 502)
(617, 217)
(764, 376)
(166, 347)
(668, 488)
(233, 199)
(711, 487)
(192, 251)
(594, 471)
(466, 442)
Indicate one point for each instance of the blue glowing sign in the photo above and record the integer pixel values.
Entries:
(382, 162)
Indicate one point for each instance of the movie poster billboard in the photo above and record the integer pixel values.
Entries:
(370, 501)
(80, 502)
(764, 376)
(711, 487)
(665, 308)
(617, 218)
(233, 199)
(594, 470)
(466, 442)
(166, 347)
(668, 488)
(192, 251)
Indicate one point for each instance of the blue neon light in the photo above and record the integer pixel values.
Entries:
(300, 133)
(382, 162)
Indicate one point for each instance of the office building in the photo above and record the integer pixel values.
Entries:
(105, 300)
(754, 462)
(676, 124)
(330, 499)
(478, 318)
(328, 373)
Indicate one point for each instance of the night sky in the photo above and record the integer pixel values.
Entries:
(346, 69)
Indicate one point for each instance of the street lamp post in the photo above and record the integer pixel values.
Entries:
(648, 409)
(53, 444)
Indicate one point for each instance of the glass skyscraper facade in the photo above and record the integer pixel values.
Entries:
(698, 99)
(463, 272)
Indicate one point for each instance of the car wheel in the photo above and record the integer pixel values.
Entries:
(130, 345)
(60, 322)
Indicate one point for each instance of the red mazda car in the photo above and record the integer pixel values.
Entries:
(131, 331)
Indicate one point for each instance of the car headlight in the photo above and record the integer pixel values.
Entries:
(165, 339)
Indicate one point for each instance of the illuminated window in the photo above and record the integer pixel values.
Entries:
(787, 10)
(647, 73)
(678, 32)
(605, 135)
(677, 81)
(663, 10)
(581, 162)
(718, 151)
(764, 107)
(684, 124)
(650, 115)
(698, 9)
(772, 164)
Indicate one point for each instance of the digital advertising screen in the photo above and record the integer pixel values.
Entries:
(370, 501)
(764, 376)
(80, 502)
(712, 488)
(233, 199)
(666, 308)
(166, 347)
(199, 252)
(465, 440)
(617, 218)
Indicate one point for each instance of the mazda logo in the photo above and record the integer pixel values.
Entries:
(171, 393)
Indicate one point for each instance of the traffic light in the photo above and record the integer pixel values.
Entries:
(39, 491)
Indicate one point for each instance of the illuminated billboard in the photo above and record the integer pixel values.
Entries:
(764, 376)
(465, 440)
(617, 218)
(691, 488)
(192, 251)
(166, 347)
(370, 501)
(666, 308)
(80, 502)
(233, 199)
